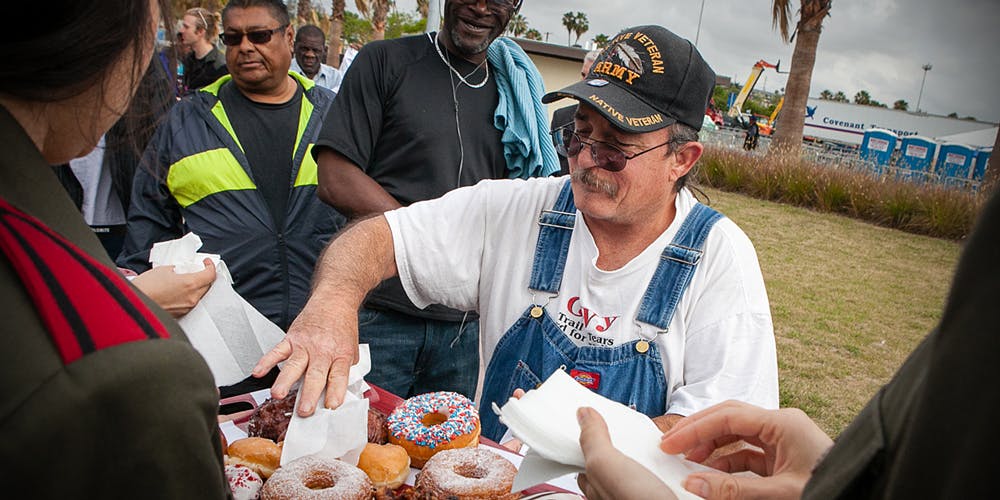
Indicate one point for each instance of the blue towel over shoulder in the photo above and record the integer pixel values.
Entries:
(520, 113)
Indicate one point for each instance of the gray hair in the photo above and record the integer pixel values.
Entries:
(681, 134)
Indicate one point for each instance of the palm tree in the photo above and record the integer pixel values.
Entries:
(304, 12)
(569, 21)
(518, 25)
(601, 41)
(901, 105)
(581, 26)
(336, 33)
(840, 97)
(862, 97)
(533, 34)
(788, 137)
(826, 95)
(376, 11)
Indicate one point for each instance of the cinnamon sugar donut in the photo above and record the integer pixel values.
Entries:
(431, 422)
(467, 474)
(311, 477)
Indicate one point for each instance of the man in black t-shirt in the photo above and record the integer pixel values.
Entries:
(231, 165)
(414, 120)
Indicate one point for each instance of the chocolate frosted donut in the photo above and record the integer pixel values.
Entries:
(468, 474)
(311, 477)
(270, 419)
(378, 433)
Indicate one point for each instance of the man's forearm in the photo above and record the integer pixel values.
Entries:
(354, 263)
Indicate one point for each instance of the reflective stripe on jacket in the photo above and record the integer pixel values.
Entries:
(195, 178)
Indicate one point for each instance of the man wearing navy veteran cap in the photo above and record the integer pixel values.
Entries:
(618, 276)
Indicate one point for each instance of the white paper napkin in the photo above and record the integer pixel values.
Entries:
(224, 328)
(341, 433)
(545, 419)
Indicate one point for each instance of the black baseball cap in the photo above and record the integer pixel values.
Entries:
(646, 79)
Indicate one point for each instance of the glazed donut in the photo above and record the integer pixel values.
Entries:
(467, 473)
(311, 477)
(270, 419)
(243, 482)
(261, 455)
(377, 433)
(431, 422)
(387, 465)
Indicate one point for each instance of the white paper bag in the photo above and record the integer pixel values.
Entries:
(341, 433)
(545, 419)
(224, 328)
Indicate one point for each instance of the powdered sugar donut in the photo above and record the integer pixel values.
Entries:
(311, 477)
(431, 422)
(244, 483)
(467, 473)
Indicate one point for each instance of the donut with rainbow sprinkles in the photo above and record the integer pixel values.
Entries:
(428, 423)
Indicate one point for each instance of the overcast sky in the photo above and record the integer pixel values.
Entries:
(878, 46)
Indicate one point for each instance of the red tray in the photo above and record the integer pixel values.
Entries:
(384, 402)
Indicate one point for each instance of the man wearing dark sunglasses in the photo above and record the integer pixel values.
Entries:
(617, 275)
(414, 119)
(231, 165)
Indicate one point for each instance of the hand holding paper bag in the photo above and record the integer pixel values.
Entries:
(340, 433)
(177, 293)
(611, 474)
(546, 420)
(224, 328)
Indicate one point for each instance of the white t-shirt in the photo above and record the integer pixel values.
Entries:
(473, 249)
(327, 76)
(101, 205)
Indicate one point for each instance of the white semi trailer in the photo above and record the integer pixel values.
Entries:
(847, 123)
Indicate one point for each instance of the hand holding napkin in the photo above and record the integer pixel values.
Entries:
(545, 419)
(340, 433)
(224, 328)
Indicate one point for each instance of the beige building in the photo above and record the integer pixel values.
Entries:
(558, 64)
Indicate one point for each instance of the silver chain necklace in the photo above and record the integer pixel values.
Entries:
(455, 71)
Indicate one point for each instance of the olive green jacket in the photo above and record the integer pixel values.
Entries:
(135, 420)
(933, 430)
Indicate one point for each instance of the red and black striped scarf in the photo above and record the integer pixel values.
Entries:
(85, 305)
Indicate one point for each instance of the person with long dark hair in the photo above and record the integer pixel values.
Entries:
(99, 385)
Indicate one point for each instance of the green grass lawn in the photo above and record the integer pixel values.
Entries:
(849, 300)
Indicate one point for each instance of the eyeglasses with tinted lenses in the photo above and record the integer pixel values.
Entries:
(258, 37)
(607, 156)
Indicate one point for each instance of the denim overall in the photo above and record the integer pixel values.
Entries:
(534, 346)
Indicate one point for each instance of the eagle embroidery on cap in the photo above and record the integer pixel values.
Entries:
(628, 57)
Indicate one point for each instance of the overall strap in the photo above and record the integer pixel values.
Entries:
(554, 233)
(85, 305)
(677, 264)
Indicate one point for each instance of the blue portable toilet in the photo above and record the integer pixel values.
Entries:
(877, 147)
(916, 157)
(954, 163)
(982, 157)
